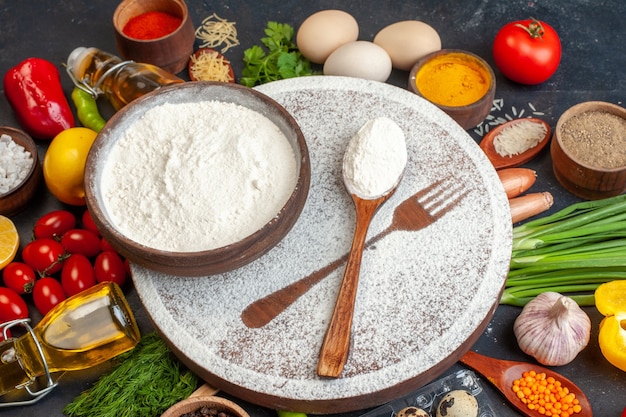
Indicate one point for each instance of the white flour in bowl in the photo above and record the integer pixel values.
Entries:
(197, 176)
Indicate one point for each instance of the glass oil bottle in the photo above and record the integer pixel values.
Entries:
(101, 73)
(82, 331)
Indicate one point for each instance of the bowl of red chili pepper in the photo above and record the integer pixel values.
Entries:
(157, 32)
(20, 170)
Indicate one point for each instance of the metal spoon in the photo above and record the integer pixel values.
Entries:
(336, 345)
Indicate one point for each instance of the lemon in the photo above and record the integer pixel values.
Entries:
(9, 241)
(64, 164)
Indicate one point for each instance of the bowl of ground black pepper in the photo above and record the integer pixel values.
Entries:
(158, 32)
(588, 150)
(205, 406)
(20, 170)
(460, 83)
(198, 179)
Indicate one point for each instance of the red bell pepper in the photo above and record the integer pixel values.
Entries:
(33, 88)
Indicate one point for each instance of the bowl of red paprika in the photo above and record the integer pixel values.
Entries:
(157, 32)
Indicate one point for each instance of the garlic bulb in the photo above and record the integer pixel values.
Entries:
(552, 328)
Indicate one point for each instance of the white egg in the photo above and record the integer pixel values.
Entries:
(323, 32)
(359, 59)
(408, 41)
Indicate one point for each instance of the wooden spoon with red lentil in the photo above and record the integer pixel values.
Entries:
(532, 389)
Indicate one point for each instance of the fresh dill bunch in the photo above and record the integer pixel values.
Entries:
(144, 382)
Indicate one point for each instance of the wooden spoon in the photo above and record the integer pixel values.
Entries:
(499, 161)
(336, 346)
(502, 373)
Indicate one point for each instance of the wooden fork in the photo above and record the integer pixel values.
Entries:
(416, 212)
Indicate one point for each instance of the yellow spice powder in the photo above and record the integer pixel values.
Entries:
(453, 80)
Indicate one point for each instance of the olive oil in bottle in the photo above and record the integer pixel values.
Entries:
(83, 331)
(121, 82)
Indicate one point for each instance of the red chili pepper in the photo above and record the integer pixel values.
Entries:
(33, 88)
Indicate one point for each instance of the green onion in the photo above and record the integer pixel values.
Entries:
(572, 251)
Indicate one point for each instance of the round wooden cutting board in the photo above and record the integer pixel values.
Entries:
(424, 296)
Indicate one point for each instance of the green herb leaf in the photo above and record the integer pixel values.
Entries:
(281, 60)
(145, 382)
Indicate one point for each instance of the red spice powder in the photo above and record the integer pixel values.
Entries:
(151, 25)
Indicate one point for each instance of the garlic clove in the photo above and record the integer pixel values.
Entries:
(553, 329)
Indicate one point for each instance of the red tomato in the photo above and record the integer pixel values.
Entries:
(12, 306)
(82, 241)
(54, 224)
(88, 222)
(19, 277)
(527, 51)
(47, 293)
(2, 334)
(44, 255)
(106, 246)
(77, 274)
(110, 267)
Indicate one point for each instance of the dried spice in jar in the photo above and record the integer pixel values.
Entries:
(453, 79)
(151, 25)
(595, 138)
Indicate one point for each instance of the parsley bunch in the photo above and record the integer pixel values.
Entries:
(282, 59)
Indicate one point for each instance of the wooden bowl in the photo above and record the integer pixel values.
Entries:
(195, 402)
(200, 262)
(468, 115)
(202, 51)
(15, 200)
(579, 177)
(170, 52)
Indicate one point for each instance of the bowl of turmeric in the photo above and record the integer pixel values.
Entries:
(460, 83)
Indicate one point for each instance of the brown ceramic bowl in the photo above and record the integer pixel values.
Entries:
(170, 52)
(574, 171)
(194, 403)
(467, 115)
(201, 262)
(15, 200)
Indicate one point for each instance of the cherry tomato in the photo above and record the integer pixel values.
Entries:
(106, 246)
(88, 222)
(19, 277)
(2, 334)
(109, 266)
(527, 51)
(54, 224)
(82, 241)
(44, 255)
(12, 306)
(77, 274)
(47, 293)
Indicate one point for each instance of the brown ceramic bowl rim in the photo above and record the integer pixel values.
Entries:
(426, 58)
(125, 3)
(581, 108)
(29, 145)
(195, 402)
(200, 91)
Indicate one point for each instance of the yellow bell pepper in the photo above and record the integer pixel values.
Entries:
(610, 300)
